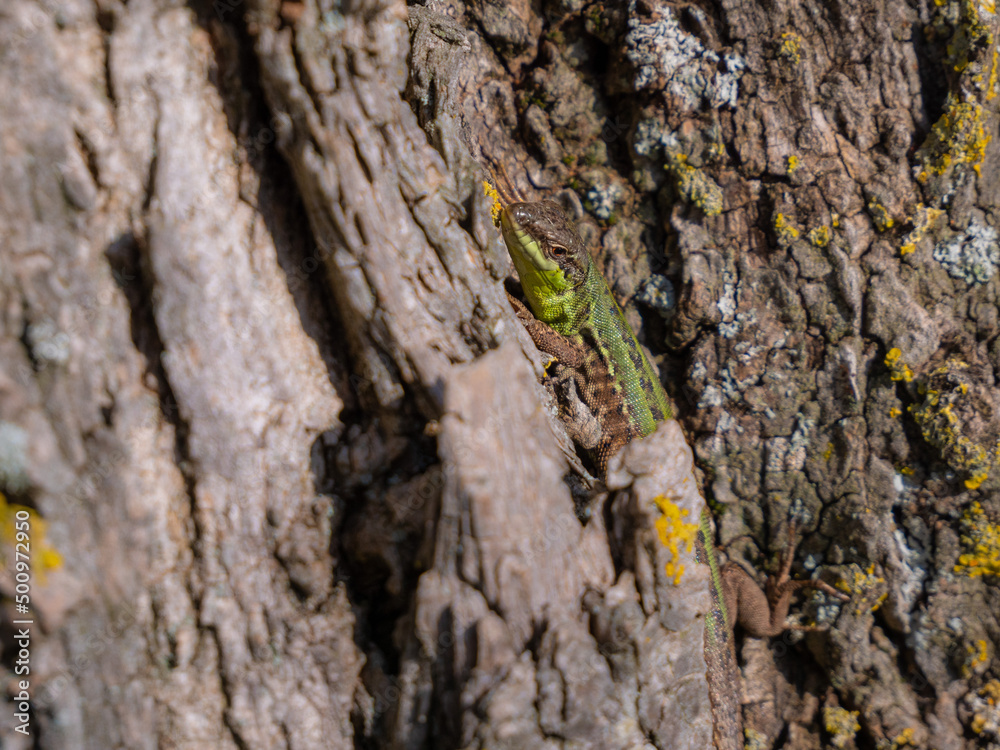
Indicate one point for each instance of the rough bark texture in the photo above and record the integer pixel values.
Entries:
(300, 482)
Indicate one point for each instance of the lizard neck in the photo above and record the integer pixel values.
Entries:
(568, 312)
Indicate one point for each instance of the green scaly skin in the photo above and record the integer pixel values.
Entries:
(567, 293)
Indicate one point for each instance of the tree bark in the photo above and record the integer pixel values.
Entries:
(293, 476)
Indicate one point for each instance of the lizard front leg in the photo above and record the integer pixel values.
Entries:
(546, 338)
(581, 424)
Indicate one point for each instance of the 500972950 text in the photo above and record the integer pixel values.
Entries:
(22, 602)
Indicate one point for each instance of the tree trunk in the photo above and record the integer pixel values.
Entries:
(291, 474)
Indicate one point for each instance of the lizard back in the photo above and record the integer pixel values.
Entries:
(621, 388)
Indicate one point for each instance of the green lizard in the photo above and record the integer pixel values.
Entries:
(579, 323)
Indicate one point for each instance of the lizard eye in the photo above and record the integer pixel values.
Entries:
(558, 251)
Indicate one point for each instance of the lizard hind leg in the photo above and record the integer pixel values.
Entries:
(763, 615)
(748, 606)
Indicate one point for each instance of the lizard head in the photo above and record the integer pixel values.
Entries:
(547, 251)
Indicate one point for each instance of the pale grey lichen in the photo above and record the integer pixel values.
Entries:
(659, 48)
(741, 322)
(798, 445)
(789, 453)
(601, 200)
(658, 292)
(48, 343)
(732, 386)
(727, 302)
(727, 88)
(910, 566)
(903, 484)
(828, 613)
(711, 396)
(729, 330)
(973, 256)
(332, 23)
(652, 140)
(665, 56)
(726, 423)
(13, 457)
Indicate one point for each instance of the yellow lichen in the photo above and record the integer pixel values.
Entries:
(991, 87)
(900, 370)
(754, 740)
(894, 412)
(694, 185)
(880, 215)
(791, 163)
(958, 138)
(903, 739)
(674, 532)
(969, 34)
(977, 655)
(922, 220)
(842, 725)
(991, 691)
(985, 707)
(828, 452)
(863, 587)
(981, 542)
(791, 47)
(949, 419)
(976, 480)
(785, 230)
(820, 236)
(44, 558)
(495, 207)
(906, 471)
